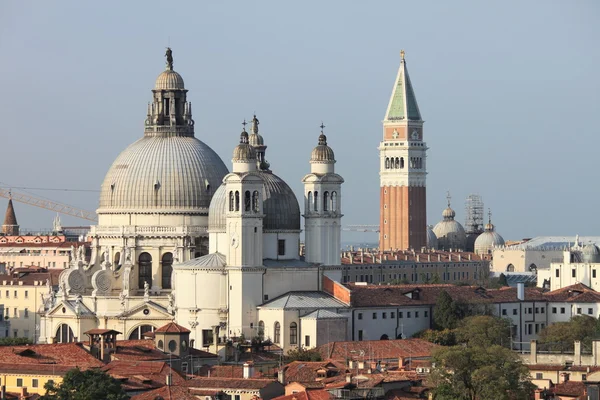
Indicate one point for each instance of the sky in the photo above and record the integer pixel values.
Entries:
(509, 91)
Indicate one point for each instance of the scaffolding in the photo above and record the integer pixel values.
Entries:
(474, 214)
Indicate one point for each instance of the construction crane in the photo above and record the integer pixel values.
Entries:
(48, 204)
(362, 228)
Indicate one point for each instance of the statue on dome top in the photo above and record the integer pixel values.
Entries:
(169, 55)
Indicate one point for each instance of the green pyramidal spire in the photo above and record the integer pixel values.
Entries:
(403, 103)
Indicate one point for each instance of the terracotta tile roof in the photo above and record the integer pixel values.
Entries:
(304, 371)
(405, 295)
(228, 383)
(378, 349)
(101, 332)
(225, 371)
(168, 393)
(578, 293)
(172, 327)
(32, 277)
(145, 350)
(307, 395)
(142, 375)
(68, 355)
(569, 388)
(294, 396)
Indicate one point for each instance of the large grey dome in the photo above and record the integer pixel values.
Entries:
(280, 206)
(591, 253)
(450, 233)
(169, 173)
(432, 242)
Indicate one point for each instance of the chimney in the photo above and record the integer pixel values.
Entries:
(362, 257)
(361, 365)
(169, 380)
(350, 364)
(521, 291)
(3, 392)
(460, 257)
(401, 363)
(23, 393)
(538, 394)
(281, 376)
(469, 256)
(102, 348)
(248, 370)
(351, 258)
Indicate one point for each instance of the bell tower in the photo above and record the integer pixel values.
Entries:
(403, 170)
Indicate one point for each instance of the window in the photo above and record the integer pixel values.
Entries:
(138, 333)
(392, 315)
(293, 333)
(255, 202)
(207, 337)
(529, 329)
(359, 315)
(34, 383)
(557, 273)
(247, 201)
(426, 313)
(543, 310)
(145, 272)
(573, 273)
(237, 201)
(578, 310)
(504, 312)
(416, 314)
(334, 204)
(360, 335)
(326, 201)
(15, 312)
(584, 377)
(562, 310)
(537, 329)
(374, 315)
(16, 294)
(26, 313)
(27, 294)
(167, 270)
(553, 310)
(408, 314)
(19, 382)
(539, 375)
(590, 311)
(593, 273)
(277, 333)
(64, 334)
(231, 201)
(15, 333)
(281, 247)
(530, 310)
(537, 310)
(306, 341)
(384, 315)
(400, 314)
(316, 203)
(514, 311)
(236, 397)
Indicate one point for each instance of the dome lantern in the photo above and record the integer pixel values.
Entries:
(485, 243)
(322, 157)
(244, 155)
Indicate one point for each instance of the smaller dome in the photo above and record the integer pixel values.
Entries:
(169, 80)
(244, 151)
(322, 153)
(486, 242)
(591, 253)
(432, 242)
(448, 213)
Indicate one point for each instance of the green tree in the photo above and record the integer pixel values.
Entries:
(447, 312)
(90, 384)
(479, 373)
(560, 336)
(445, 337)
(484, 331)
(13, 341)
(301, 354)
(502, 280)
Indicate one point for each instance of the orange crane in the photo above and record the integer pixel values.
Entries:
(48, 204)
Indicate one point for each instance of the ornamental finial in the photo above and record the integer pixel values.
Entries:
(169, 55)
(490, 215)
(255, 123)
(402, 54)
(448, 197)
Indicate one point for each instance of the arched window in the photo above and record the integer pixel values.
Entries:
(138, 332)
(261, 329)
(237, 201)
(167, 270)
(310, 201)
(117, 259)
(277, 333)
(384, 337)
(387, 163)
(293, 333)
(510, 268)
(231, 201)
(255, 202)
(401, 162)
(334, 205)
(247, 201)
(64, 334)
(316, 201)
(533, 268)
(397, 163)
(145, 272)
(326, 201)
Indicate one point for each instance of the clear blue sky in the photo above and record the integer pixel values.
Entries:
(509, 91)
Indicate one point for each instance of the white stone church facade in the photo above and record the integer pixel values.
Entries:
(179, 237)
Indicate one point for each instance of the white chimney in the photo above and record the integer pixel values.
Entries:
(521, 291)
(248, 370)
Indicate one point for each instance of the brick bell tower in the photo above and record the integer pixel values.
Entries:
(403, 170)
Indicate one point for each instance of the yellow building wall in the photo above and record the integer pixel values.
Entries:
(22, 308)
(10, 380)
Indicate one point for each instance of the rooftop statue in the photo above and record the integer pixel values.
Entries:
(169, 55)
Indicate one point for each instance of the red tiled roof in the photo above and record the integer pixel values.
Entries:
(579, 293)
(172, 327)
(307, 395)
(378, 349)
(101, 332)
(228, 383)
(168, 393)
(32, 277)
(69, 355)
(401, 295)
(569, 388)
(142, 375)
(305, 371)
(225, 371)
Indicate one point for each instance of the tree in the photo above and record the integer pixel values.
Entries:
(447, 312)
(12, 341)
(484, 331)
(479, 373)
(302, 354)
(445, 337)
(90, 384)
(502, 280)
(560, 336)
